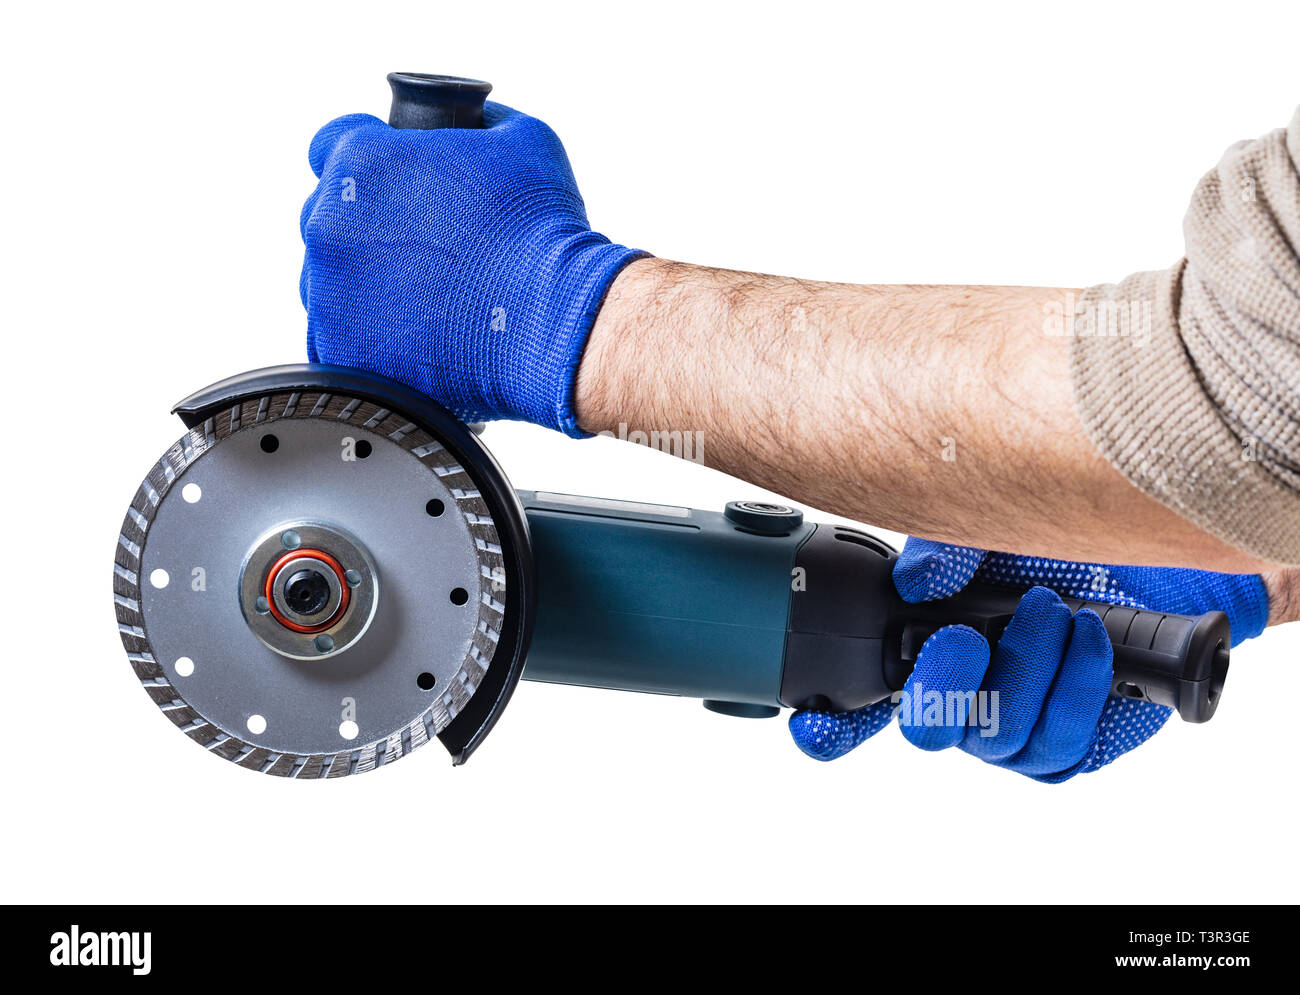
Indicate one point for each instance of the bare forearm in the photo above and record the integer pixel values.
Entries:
(945, 412)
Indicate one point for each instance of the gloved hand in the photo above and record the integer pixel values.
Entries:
(457, 261)
(1052, 672)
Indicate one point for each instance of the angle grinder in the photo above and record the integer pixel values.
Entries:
(328, 570)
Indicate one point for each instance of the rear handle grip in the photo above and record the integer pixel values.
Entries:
(1175, 660)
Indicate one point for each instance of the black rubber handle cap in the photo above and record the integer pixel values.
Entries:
(424, 101)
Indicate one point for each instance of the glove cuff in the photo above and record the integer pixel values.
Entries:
(594, 264)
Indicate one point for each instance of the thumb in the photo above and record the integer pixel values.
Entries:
(926, 570)
(830, 735)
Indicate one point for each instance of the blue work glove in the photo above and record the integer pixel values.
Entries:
(457, 261)
(1052, 672)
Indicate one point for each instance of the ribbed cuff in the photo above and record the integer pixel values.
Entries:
(595, 275)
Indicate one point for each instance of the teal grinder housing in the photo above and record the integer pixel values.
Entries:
(753, 609)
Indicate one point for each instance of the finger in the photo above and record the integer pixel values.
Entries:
(1125, 725)
(937, 699)
(1074, 580)
(1243, 597)
(1021, 673)
(926, 570)
(830, 735)
(328, 138)
(309, 205)
(1067, 728)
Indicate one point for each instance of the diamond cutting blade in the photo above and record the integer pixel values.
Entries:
(309, 585)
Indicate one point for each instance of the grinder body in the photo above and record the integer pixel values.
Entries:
(660, 599)
(753, 609)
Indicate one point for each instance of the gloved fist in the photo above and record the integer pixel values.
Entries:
(457, 261)
(1054, 716)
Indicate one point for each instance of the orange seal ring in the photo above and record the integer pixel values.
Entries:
(314, 554)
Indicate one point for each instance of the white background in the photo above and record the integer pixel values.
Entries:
(154, 167)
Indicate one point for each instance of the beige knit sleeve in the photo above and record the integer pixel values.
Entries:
(1188, 380)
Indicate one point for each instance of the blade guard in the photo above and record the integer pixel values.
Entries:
(468, 729)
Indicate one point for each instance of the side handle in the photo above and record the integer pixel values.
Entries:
(424, 101)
